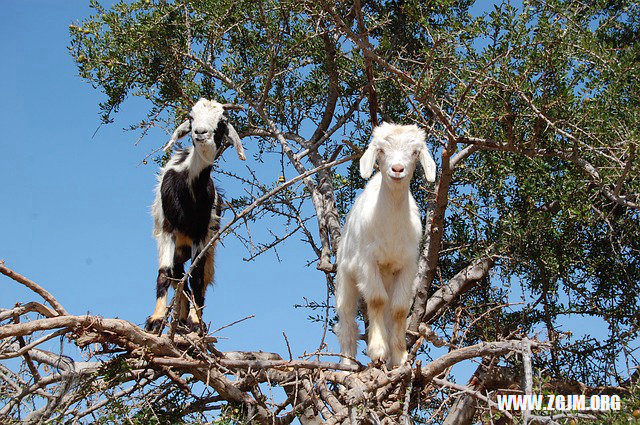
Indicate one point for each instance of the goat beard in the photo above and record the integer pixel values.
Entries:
(207, 152)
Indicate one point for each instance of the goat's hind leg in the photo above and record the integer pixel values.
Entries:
(199, 295)
(183, 306)
(182, 254)
(346, 305)
(198, 285)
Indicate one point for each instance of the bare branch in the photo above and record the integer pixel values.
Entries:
(460, 283)
(34, 287)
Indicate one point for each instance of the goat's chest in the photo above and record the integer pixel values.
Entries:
(392, 257)
(396, 241)
(397, 229)
(187, 204)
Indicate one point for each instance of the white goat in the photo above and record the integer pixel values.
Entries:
(186, 210)
(378, 251)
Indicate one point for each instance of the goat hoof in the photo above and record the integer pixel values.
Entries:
(378, 363)
(377, 351)
(196, 327)
(347, 362)
(398, 359)
(185, 326)
(153, 325)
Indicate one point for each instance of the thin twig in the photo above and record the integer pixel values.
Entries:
(251, 316)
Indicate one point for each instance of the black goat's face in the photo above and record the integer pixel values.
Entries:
(209, 128)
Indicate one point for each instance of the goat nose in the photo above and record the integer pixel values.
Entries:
(397, 168)
(200, 130)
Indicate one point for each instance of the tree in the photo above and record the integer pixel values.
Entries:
(533, 113)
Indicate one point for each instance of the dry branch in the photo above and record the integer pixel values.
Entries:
(144, 359)
(34, 287)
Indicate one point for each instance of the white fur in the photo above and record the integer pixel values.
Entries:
(378, 251)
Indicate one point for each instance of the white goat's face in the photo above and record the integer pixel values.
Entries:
(397, 157)
(396, 148)
(208, 128)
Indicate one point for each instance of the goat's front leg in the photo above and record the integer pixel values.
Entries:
(166, 251)
(198, 287)
(375, 295)
(399, 304)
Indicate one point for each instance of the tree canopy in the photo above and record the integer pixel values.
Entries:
(532, 114)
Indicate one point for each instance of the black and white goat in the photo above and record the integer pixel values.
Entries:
(186, 210)
(378, 251)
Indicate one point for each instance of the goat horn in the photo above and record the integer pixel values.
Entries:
(232, 107)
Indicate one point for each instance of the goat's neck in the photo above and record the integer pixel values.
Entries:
(196, 164)
(394, 193)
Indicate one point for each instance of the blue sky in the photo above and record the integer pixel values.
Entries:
(75, 210)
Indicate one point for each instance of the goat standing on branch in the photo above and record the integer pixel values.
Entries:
(378, 252)
(186, 210)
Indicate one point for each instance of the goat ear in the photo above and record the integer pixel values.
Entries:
(182, 130)
(428, 164)
(235, 141)
(367, 160)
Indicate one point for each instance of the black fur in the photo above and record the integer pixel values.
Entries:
(153, 326)
(186, 209)
(221, 132)
(163, 282)
(182, 254)
(198, 288)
